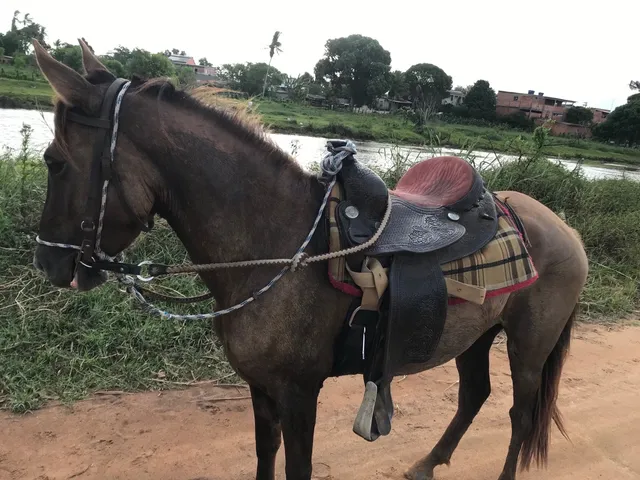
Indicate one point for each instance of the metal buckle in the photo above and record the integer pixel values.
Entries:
(87, 228)
(142, 278)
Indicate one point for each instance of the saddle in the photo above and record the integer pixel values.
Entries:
(440, 212)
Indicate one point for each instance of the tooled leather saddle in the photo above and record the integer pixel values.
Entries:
(440, 211)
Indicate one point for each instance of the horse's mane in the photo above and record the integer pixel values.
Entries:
(238, 122)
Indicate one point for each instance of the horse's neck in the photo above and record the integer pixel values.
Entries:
(238, 205)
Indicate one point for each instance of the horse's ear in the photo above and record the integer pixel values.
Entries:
(89, 60)
(71, 87)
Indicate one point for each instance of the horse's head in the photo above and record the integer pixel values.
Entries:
(98, 198)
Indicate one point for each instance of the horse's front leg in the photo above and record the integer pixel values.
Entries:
(268, 433)
(297, 405)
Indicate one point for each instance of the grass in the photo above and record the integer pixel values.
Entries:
(26, 93)
(58, 345)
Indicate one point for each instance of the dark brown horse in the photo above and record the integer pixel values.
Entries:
(231, 195)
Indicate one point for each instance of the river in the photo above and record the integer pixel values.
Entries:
(305, 149)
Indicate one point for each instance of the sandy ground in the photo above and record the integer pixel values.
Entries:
(193, 433)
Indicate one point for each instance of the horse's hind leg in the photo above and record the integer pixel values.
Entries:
(538, 326)
(474, 389)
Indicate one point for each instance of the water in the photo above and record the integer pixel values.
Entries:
(305, 149)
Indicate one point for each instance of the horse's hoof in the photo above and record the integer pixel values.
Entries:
(418, 474)
(321, 471)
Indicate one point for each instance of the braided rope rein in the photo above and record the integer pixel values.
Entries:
(331, 166)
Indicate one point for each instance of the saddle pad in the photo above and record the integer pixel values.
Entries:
(502, 266)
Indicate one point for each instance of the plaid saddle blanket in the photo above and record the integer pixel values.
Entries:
(502, 266)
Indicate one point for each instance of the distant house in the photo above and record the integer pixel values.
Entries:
(316, 100)
(391, 105)
(203, 73)
(388, 104)
(6, 60)
(599, 114)
(455, 97)
(532, 105)
(281, 92)
(541, 108)
(182, 60)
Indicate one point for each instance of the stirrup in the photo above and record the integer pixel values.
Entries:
(363, 423)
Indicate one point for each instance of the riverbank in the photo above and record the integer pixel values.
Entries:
(293, 118)
(25, 94)
(60, 345)
(284, 117)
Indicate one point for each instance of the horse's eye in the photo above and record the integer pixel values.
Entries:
(54, 165)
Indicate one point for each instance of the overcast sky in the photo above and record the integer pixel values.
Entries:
(563, 48)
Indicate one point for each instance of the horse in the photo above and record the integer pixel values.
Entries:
(230, 194)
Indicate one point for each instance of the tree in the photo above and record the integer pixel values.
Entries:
(204, 62)
(249, 77)
(634, 85)
(274, 47)
(481, 100)
(20, 61)
(186, 76)
(149, 65)
(10, 41)
(622, 126)
(233, 73)
(70, 55)
(121, 54)
(580, 115)
(297, 87)
(463, 90)
(398, 86)
(114, 66)
(1, 51)
(358, 63)
(428, 85)
(18, 39)
(15, 21)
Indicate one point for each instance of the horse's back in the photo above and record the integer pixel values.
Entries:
(552, 242)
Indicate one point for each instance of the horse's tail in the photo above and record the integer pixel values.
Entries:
(545, 408)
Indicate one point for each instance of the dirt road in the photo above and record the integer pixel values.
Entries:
(185, 434)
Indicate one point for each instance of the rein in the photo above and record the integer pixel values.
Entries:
(90, 254)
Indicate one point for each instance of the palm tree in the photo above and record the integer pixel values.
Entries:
(14, 21)
(274, 47)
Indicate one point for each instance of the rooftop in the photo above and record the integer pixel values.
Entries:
(185, 59)
(537, 95)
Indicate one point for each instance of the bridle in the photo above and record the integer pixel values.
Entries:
(90, 253)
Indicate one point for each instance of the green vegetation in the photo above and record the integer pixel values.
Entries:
(56, 344)
(289, 117)
(25, 94)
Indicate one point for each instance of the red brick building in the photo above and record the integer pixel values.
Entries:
(541, 108)
(532, 105)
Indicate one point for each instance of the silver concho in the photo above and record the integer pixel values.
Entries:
(351, 212)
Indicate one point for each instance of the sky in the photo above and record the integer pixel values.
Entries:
(563, 48)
